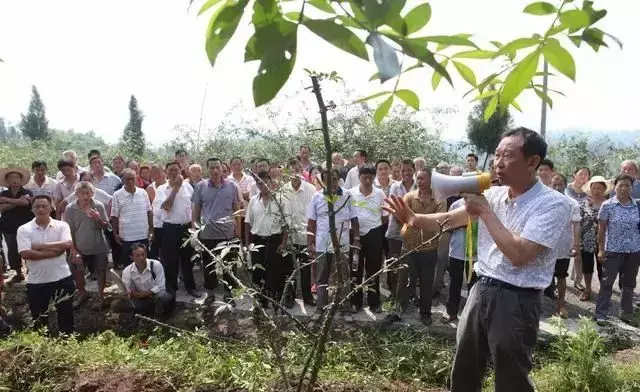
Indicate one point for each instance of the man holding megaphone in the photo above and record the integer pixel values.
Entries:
(517, 236)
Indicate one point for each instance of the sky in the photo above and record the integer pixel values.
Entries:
(87, 57)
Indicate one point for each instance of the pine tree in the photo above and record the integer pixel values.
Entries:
(132, 142)
(485, 136)
(35, 124)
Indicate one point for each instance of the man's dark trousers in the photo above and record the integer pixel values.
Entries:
(177, 257)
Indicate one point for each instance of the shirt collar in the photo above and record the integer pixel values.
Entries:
(615, 200)
(223, 182)
(528, 195)
(37, 226)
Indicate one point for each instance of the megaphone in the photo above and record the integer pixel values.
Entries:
(444, 186)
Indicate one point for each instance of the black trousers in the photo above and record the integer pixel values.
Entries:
(457, 270)
(424, 268)
(305, 273)
(210, 275)
(369, 263)
(395, 250)
(177, 258)
(14, 259)
(272, 278)
(116, 249)
(40, 295)
(155, 249)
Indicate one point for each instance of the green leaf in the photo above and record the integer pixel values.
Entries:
(222, 26)
(475, 54)
(576, 39)
(385, 57)
(540, 8)
(415, 66)
(497, 44)
(544, 97)
(519, 78)
(594, 37)
(518, 44)
(466, 73)
(615, 39)
(417, 18)
(379, 13)
(485, 95)
(207, 5)
(375, 76)
(492, 105)
(437, 76)
(448, 40)
(559, 58)
(322, 5)
(574, 19)
(557, 29)
(348, 22)
(409, 97)
(516, 106)
(338, 35)
(372, 96)
(382, 110)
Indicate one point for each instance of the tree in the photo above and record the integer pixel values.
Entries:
(4, 134)
(35, 125)
(485, 134)
(132, 142)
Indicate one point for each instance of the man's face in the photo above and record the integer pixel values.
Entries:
(156, 173)
(97, 166)
(14, 179)
(135, 166)
(336, 159)
(423, 180)
(40, 172)
(183, 158)
(295, 169)
(396, 172)
(629, 169)
(69, 172)
(366, 180)
(545, 173)
(472, 164)
(41, 208)
(358, 159)
(139, 256)
(129, 181)
(145, 174)
(118, 164)
(623, 189)
(84, 195)
(335, 178)
(262, 166)
(304, 153)
(510, 163)
(72, 157)
(236, 166)
(407, 172)
(173, 171)
(455, 171)
(419, 164)
(383, 170)
(215, 170)
(195, 174)
(558, 184)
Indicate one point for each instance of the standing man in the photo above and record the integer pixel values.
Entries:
(108, 182)
(73, 157)
(119, 164)
(305, 159)
(195, 174)
(545, 171)
(176, 221)
(43, 243)
(359, 158)
(516, 258)
(339, 163)
(182, 157)
(630, 168)
(419, 164)
(398, 189)
(131, 216)
(159, 178)
(297, 194)
(367, 203)
(215, 201)
(15, 210)
(65, 187)
(472, 163)
(40, 183)
(384, 181)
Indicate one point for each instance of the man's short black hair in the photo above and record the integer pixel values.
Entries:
(42, 196)
(171, 163)
(263, 160)
(547, 162)
(235, 158)
(37, 164)
(474, 156)
(293, 162)
(180, 151)
(92, 153)
(533, 143)
(136, 246)
(305, 146)
(380, 161)
(363, 153)
(622, 177)
(213, 160)
(64, 163)
(367, 169)
(409, 162)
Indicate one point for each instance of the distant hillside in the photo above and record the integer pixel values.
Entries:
(623, 137)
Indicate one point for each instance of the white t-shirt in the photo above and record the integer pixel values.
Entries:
(368, 208)
(265, 220)
(180, 212)
(131, 210)
(47, 270)
(566, 237)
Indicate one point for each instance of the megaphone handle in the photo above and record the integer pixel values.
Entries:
(469, 250)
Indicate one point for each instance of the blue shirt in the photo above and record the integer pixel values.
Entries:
(217, 208)
(623, 235)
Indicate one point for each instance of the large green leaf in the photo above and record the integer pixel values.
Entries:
(385, 57)
(409, 97)
(207, 5)
(449, 40)
(574, 19)
(518, 44)
(475, 54)
(443, 46)
(322, 5)
(594, 37)
(372, 96)
(466, 73)
(380, 12)
(222, 26)
(492, 105)
(382, 110)
(417, 18)
(338, 36)
(519, 79)
(559, 58)
(275, 45)
(540, 8)
(544, 97)
(437, 76)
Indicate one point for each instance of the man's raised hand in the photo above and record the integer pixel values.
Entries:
(398, 208)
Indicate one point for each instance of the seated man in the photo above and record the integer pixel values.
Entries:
(144, 281)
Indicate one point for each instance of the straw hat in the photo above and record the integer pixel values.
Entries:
(24, 173)
(586, 188)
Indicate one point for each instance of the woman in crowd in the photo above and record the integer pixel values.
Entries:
(574, 190)
(596, 190)
(618, 247)
(145, 175)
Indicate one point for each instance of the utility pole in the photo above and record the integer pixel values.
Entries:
(543, 116)
(204, 99)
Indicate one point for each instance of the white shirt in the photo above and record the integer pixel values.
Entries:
(244, 183)
(353, 178)
(566, 237)
(457, 243)
(297, 204)
(47, 188)
(131, 211)
(253, 189)
(319, 212)
(265, 220)
(398, 189)
(368, 208)
(135, 280)
(46, 270)
(537, 215)
(180, 213)
(155, 206)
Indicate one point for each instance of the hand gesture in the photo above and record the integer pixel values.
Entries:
(399, 209)
(475, 204)
(93, 214)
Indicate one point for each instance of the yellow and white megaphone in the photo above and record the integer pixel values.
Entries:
(444, 186)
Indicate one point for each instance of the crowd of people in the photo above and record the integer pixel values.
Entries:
(530, 224)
